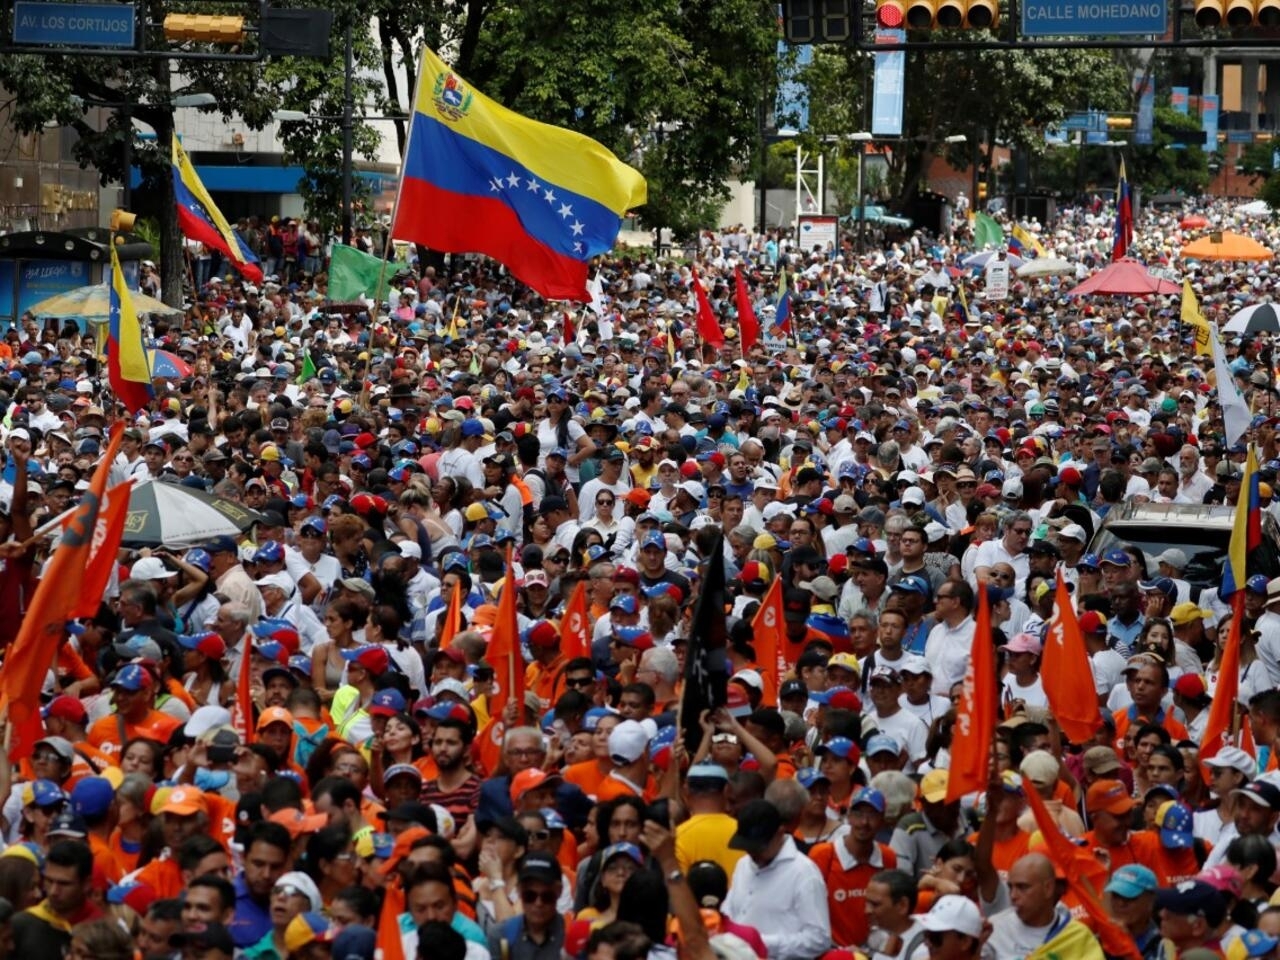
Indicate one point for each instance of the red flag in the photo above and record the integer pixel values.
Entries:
(1066, 673)
(570, 332)
(769, 642)
(1218, 728)
(104, 549)
(242, 707)
(388, 945)
(1085, 876)
(976, 712)
(55, 598)
(748, 325)
(708, 329)
(575, 625)
(452, 616)
(504, 649)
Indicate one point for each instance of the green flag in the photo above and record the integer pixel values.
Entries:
(354, 273)
(308, 368)
(986, 232)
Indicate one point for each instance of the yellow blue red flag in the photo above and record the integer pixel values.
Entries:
(479, 178)
(128, 366)
(200, 219)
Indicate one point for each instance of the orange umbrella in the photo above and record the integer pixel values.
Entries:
(1226, 246)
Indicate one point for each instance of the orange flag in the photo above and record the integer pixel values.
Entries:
(452, 616)
(769, 643)
(1066, 673)
(1218, 732)
(976, 712)
(104, 550)
(1085, 876)
(504, 649)
(388, 945)
(575, 625)
(58, 594)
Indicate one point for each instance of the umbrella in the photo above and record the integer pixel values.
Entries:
(1260, 318)
(1255, 208)
(174, 515)
(1226, 246)
(978, 261)
(1124, 278)
(93, 304)
(1193, 222)
(168, 366)
(1047, 267)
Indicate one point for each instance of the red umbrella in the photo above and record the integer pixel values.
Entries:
(1193, 222)
(1125, 278)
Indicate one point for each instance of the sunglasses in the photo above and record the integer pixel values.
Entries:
(604, 503)
(579, 682)
(545, 897)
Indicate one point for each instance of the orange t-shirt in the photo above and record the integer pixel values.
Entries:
(164, 875)
(127, 859)
(542, 680)
(1142, 847)
(612, 787)
(846, 889)
(105, 733)
(1007, 852)
(104, 858)
(1171, 723)
(1171, 867)
(588, 775)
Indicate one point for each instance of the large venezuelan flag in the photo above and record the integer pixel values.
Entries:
(1246, 529)
(478, 178)
(200, 219)
(128, 366)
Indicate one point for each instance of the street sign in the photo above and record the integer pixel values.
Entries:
(37, 23)
(1087, 18)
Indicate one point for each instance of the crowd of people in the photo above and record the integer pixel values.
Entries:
(895, 439)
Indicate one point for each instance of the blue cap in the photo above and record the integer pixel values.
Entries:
(808, 776)
(270, 552)
(913, 583)
(882, 743)
(361, 460)
(841, 747)
(92, 796)
(1160, 585)
(870, 796)
(1090, 560)
(653, 539)
(596, 551)
(387, 702)
(45, 793)
(357, 942)
(222, 544)
(472, 428)
(553, 819)
(198, 558)
(1132, 880)
(560, 452)
(132, 677)
(1258, 944)
(624, 602)
(1256, 584)
(318, 524)
(824, 696)
(591, 719)
(621, 850)
(708, 771)
(1174, 821)
(1117, 558)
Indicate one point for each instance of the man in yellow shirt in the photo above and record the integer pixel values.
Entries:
(706, 834)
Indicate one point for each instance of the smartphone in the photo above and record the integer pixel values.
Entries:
(659, 812)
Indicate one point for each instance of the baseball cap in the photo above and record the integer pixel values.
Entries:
(1132, 881)
(1109, 796)
(933, 787)
(387, 703)
(532, 779)
(65, 708)
(870, 796)
(373, 657)
(882, 743)
(1261, 792)
(1174, 822)
(1235, 758)
(539, 866)
(1024, 643)
(953, 913)
(132, 677)
(184, 801)
(42, 793)
(274, 715)
(1101, 760)
(92, 796)
(1192, 898)
(628, 741)
(841, 747)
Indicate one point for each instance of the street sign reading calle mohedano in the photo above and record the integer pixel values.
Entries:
(1094, 18)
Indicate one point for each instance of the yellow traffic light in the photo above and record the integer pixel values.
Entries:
(1239, 13)
(920, 14)
(949, 14)
(982, 191)
(179, 27)
(122, 221)
(890, 14)
(1267, 13)
(985, 14)
(1208, 13)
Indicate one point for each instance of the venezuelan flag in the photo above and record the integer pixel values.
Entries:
(200, 219)
(1024, 244)
(128, 369)
(1124, 217)
(1246, 532)
(782, 315)
(479, 178)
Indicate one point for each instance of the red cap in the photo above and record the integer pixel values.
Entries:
(66, 708)
(845, 700)
(1191, 686)
(1091, 622)
(1071, 477)
(838, 564)
(689, 470)
(543, 634)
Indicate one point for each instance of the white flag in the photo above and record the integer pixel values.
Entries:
(1235, 411)
(596, 289)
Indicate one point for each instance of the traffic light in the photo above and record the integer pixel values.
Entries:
(982, 191)
(1208, 13)
(122, 221)
(950, 14)
(181, 27)
(1239, 13)
(920, 14)
(1250, 13)
(890, 14)
(984, 15)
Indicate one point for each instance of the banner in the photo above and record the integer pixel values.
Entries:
(889, 86)
(1179, 98)
(1209, 120)
(1143, 132)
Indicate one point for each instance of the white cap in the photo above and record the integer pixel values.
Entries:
(694, 489)
(1073, 531)
(450, 685)
(307, 887)
(1011, 488)
(934, 531)
(150, 568)
(1235, 758)
(913, 495)
(410, 549)
(205, 719)
(775, 509)
(1174, 557)
(280, 580)
(628, 741)
(950, 913)
(751, 678)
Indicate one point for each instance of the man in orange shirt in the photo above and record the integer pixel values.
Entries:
(543, 675)
(1109, 806)
(849, 861)
(1011, 841)
(1178, 858)
(1148, 682)
(629, 751)
(94, 800)
(588, 775)
(65, 717)
(133, 690)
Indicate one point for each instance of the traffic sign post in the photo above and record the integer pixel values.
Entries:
(110, 25)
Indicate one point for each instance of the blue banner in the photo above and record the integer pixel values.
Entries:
(1209, 120)
(1083, 18)
(1143, 132)
(1179, 98)
(889, 84)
